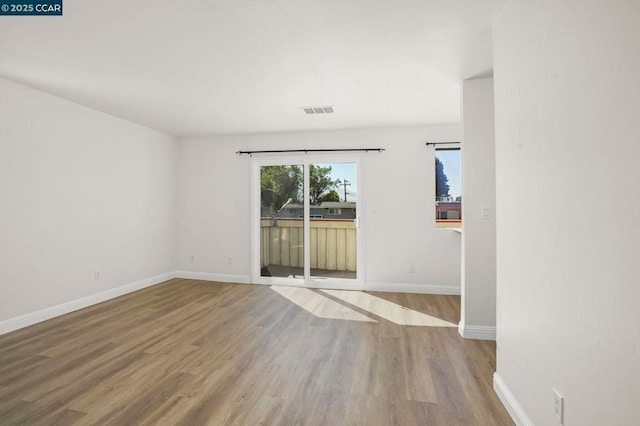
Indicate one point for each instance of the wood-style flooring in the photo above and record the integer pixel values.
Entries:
(202, 353)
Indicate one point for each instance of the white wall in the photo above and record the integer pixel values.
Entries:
(215, 222)
(567, 92)
(79, 191)
(478, 309)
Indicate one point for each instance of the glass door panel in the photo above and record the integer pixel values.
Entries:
(333, 220)
(282, 221)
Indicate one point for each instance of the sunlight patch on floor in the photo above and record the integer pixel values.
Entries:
(387, 310)
(319, 305)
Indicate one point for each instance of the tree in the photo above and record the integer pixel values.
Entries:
(320, 182)
(278, 184)
(442, 181)
(330, 196)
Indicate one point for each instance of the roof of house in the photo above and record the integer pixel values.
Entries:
(337, 205)
(325, 205)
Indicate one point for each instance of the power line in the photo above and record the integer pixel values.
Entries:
(345, 183)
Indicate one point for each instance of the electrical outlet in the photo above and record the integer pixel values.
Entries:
(412, 269)
(230, 260)
(558, 406)
(96, 275)
(193, 259)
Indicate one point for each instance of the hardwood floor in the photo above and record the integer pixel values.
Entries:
(193, 352)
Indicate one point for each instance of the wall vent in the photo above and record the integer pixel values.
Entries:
(318, 110)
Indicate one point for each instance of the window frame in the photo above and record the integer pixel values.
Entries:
(447, 223)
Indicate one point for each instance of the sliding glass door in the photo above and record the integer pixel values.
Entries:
(281, 221)
(307, 223)
(333, 220)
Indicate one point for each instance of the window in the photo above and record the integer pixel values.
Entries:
(448, 188)
(335, 212)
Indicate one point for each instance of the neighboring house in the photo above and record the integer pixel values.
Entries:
(448, 210)
(334, 210)
(326, 210)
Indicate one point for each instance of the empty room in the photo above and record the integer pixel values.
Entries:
(290, 212)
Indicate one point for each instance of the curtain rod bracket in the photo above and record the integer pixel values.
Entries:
(443, 143)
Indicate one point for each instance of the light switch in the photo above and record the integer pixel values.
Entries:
(486, 212)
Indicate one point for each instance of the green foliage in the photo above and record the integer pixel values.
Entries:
(330, 196)
(320, 182)
(278, 184)
(442, 181)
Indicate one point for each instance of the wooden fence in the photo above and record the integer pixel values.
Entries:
(333, 243)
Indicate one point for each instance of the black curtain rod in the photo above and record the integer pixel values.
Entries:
(311, 150)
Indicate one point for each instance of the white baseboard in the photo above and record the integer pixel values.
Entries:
(478, 332)
(412, 288)
(210, 276)
(510, 403)
(25, 320)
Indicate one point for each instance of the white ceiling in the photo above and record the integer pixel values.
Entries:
(195, 67)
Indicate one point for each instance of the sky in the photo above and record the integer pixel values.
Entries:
(344, 171)
(451, 162)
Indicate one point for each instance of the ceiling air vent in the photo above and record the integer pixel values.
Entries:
(318, 110)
